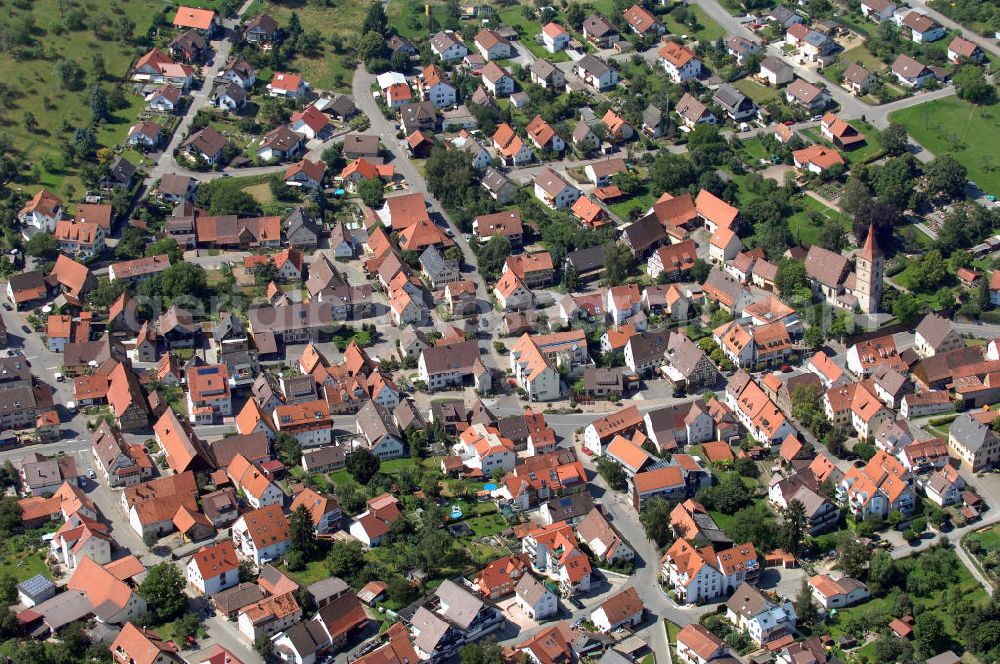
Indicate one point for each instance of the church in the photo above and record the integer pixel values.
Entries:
(834, 281)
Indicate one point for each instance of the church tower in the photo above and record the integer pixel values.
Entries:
(869, 269)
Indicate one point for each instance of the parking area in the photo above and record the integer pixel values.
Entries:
(514, 614)
(785, 582)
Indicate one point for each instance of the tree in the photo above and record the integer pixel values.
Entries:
(893, 649)
(571, 279)
(655, 520)
(971, 85)
(746, 467)
(612, 473)
(483, 652)
(264, 647)
(574, 16)
(946, 177)
(362, 465)
(893, 182)
(8, 588)
(906, 308)
(370, 46)
(805, 610)
(791, 277)
(289, 449)
(793, 527)
(491, 257)
(881, 572)
(30, 122)
(43, 246)
(132, 243)
(334, 157)
(303, 532)
(98, 105)
(700, 271)
(451, 177)
(856, 194)
(163, 590)
(617, 263)
(345, 559)
(221, 198)
(852, 556)
(814, 337)
(168, 246)
(832, 238)
(882, 216)
(375, 19)
(728, 496)
(894, 139)
(372, 192)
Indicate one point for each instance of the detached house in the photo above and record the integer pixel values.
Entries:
(596, 73)
(492, 46)
(447, 46)
(923, 29)
(911, 73)
(962, 49)
(554, 191)
(554, 37)
(679, 62)
(642, 22)
(599, 31)
(760, 618)
(544, 136)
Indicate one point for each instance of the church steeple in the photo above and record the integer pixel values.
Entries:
(870, 249)
(869, 266)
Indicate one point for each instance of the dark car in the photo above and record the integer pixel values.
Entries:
(26, 329)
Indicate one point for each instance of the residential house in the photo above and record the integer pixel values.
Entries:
(599, 31)
(596, 73)
(758, 617)
(554, 37)
(679, 62)
(839, 593)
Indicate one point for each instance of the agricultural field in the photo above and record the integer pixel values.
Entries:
(39, 77)
(971, 134)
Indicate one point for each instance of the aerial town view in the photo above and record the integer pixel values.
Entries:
(422, 332)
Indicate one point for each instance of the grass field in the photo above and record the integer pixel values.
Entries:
(802, 226)
(331, 70)
(30, 72)
(708, 31)
(760, 94)
(642, 200)
(971, 134)
(862, 56)
(935, 602)
(407, 17)
(23, 565)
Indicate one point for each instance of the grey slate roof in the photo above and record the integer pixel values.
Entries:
(970, 432)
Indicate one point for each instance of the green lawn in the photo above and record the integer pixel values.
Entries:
(408, 18)
(514, 17)
(490, 524)
(315, 570)
(708, 30)
(24, 565)
(802, 226)
(862, 56)
(30, 71)
(969, 133)
(760, 94)
(642, 200)
(989, 539)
